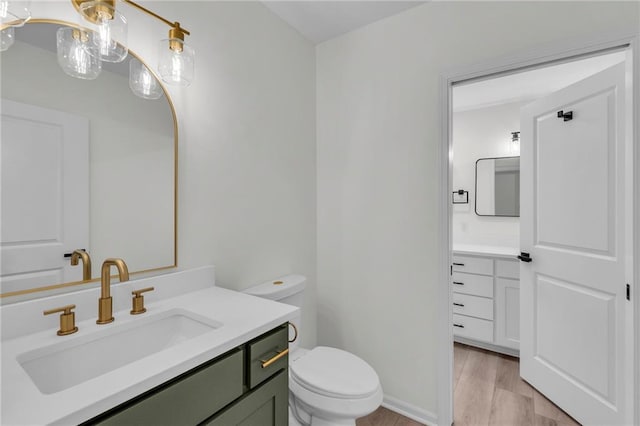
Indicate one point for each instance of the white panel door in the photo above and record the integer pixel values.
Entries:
(574, 338)
(45, 195)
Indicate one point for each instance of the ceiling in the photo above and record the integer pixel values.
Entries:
(319, 21)
(529, 85)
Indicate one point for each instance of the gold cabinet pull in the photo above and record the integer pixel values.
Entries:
(137, 303)
(295, 337)
(276, 357)
(67, 319)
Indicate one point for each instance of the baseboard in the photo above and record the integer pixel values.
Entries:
(411, 411)
(487, 346)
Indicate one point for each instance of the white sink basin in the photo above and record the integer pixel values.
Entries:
(62, 365)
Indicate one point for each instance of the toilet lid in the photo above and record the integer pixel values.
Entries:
(335, 373)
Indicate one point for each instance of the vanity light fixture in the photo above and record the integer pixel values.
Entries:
(176, 64)
(108, 35)
(109, 38)
(73, 56)
(7, 37)
(142, 82)
(14, 13)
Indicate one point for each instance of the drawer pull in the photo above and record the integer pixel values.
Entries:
(458, 264)
(276, 357)
(458, 325)
(458, 304)
(458, 283)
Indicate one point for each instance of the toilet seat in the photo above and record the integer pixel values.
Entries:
(335, 373)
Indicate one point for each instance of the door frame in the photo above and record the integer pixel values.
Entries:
(557, 52)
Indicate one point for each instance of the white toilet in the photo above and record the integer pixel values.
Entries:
(327, 386)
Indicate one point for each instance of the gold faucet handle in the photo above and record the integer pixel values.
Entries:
(67, 319)
(138, 301)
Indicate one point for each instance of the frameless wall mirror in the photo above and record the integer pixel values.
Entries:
(86, 164)
(498, 186)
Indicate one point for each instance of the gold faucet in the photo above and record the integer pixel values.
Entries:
(86, 263)
(105, 308)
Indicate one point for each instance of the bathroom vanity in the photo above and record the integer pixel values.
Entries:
(485, 285)
(200, 354)
(230, 389)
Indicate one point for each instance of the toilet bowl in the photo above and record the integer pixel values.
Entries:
(327, 386)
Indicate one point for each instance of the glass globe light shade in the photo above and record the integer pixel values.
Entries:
(7, 37)
(176, 62)
(142, 82)
(15, 13)
(73, 56)
(108, 35)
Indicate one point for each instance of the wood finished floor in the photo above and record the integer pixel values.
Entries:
(488, 390)
(385, 417)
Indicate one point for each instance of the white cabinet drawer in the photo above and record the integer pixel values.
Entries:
(473, 328)
(474, 265)
(474, 306)
(477, 285)
(508, 269)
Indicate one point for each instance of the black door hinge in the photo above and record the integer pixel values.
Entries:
(628, 292)
(566, 116)
(451, 272)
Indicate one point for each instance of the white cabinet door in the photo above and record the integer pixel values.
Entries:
(45, 195)
(507, 300)
(576, 341)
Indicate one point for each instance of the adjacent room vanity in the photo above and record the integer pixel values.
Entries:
(485, 284)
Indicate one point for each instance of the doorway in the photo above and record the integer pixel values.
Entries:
(489, 325)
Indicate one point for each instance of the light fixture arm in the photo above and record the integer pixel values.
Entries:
(112, 4)
(175, 64)
(173, 25)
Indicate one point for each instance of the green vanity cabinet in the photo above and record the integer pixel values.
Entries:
(266, 405)
(263, 348)
(232, 389)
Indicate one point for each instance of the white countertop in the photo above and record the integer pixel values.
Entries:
(243, 317)
(482, 250)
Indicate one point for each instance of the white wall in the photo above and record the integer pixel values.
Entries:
(482, 133)
(378, 182)
(247, 197)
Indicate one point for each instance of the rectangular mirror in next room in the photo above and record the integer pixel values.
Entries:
(498, 187)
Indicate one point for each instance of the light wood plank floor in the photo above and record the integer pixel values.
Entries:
(385, 417)
(488, 390)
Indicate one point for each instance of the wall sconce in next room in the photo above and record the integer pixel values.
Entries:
(514, 146)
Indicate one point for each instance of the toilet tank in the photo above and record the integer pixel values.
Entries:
(288, 289)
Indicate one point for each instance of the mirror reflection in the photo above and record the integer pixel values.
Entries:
(86, 165)
(498, 186)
